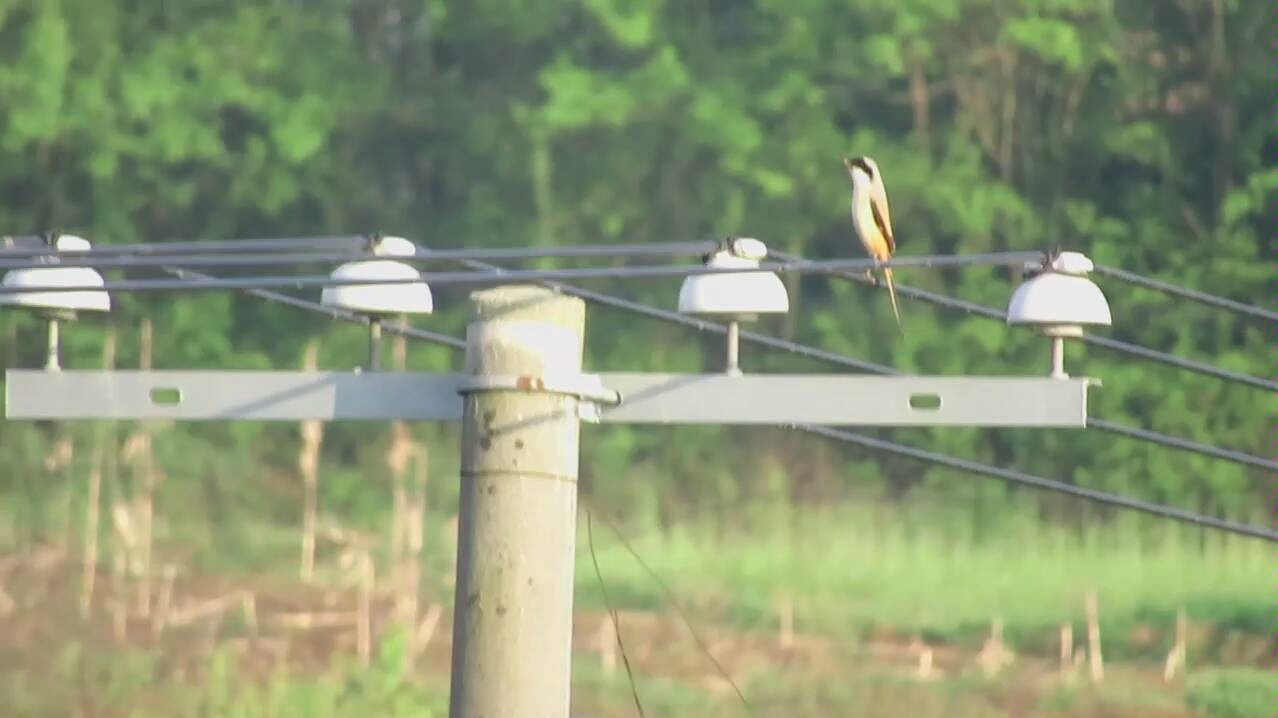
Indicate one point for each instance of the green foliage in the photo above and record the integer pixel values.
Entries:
(854, 572)
(1140, 133)
(1234, 693)
(136, 684)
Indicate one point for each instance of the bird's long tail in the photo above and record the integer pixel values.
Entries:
(887, 275)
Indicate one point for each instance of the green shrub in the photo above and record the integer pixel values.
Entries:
(1233, 693)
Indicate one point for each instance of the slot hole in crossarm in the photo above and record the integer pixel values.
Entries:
(166, 395)
(925, 402)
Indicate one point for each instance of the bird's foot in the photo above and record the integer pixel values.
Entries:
(869, 274)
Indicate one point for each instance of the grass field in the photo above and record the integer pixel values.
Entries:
(848, 576)
(862, 586)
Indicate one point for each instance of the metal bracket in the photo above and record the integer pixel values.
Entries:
(767, 399)
(588, 389)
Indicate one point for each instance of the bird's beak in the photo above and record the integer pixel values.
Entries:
(847, 163)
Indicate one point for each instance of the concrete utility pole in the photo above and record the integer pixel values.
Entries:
(512, 626)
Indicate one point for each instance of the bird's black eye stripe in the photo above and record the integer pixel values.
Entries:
(860, 162)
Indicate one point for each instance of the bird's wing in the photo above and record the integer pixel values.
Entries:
(882, 215)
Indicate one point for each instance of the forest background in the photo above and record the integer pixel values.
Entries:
(1139, 132)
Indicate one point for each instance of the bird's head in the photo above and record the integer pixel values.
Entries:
(861, 169)
(747, 248)
(380, 245)
(739, 247)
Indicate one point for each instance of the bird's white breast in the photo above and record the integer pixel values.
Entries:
(862, 214)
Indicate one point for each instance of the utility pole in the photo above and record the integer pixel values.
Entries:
(513, 608)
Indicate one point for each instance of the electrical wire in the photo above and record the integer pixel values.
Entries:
(671, 601)
(903, 449)
(336, 312)
(1011, 475)
(1169, 440)
(230, 258)
(1176, 442)
(35, 246)
(514, 275)
(982, 310)
(1187, 293)
(612, 614)
(1022, 477)
(874, 368)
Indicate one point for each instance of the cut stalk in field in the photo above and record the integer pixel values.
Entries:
(785, 611)
(398, 455)
(415, 520)
(1067, 650)
(312, 436)
(397, 458)
(58, 464)
(91, 527)
(608, 644)
(93, 511)
(364, 637)
(150, 477)
(139, 454)
(425, 630)
(1176, 658)
(159, 621)
(1095, 661)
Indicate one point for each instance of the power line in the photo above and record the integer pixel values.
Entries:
(1168, 440)
(903, 449)
(1176, 442)
(32, 246)
(301, 281)
(700, 324)
(1021, 477)
(337, 312)
(491, 274)
(152, 256)
(1011, 475)
(982, 310)
(1187, 293)
(35, 246)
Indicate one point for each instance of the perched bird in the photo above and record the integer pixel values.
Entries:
(741, 247)
(1033, 269)
(871, 218)
(380, 245)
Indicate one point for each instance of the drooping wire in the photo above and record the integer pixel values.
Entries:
(612, 614)
(674, 603)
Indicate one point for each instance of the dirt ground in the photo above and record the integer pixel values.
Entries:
(271, 621)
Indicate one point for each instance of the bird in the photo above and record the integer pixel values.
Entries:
(1033, 269)
(380, 245)
(871, 217)
(740, 247)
